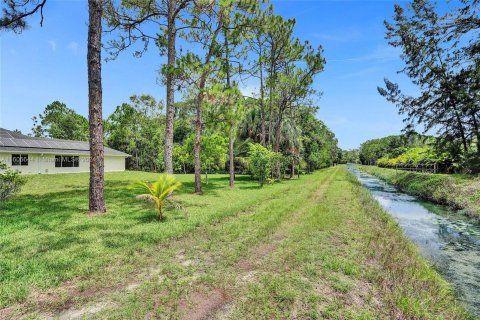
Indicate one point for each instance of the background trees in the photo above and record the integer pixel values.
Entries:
(413, 149)
(60, 122)
(440, 52)
(137, 128)
(392, 146)
(131, 21)
(228, 42)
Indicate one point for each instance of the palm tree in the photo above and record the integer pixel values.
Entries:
(158, 192)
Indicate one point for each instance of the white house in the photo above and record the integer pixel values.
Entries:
(44, 155)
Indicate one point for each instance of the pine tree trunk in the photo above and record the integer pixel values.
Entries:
(292, 171)
(276, 144)
(96, 197)
(270, 116)
(168, 148)
(270, 97)
(263, 128)
(460, 125)
(477, 131)
(278, 132)
(198, 116)
(462, 132)
(230, 131)
(198, 137)
(232, 160)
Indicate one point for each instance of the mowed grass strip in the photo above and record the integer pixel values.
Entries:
(200, 273)
(46, 237)
(326, 251)
(318, 247)
(347, 259)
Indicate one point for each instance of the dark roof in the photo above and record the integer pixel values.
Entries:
(11, 141)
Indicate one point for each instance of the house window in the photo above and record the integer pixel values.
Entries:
(58, 161)
(67, 161)
(19, 159)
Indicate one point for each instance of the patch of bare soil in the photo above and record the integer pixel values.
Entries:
(255, 257)
(200, 305)
(85, 312)
(7, 313)
(60, 303)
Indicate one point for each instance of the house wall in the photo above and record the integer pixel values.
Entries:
(114, 163)
(45, 163)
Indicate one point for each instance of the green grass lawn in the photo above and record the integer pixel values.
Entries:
(47, 238)
(314, 247)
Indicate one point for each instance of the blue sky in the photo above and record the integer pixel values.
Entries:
(46, 64)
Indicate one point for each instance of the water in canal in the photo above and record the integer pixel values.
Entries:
(448, 240)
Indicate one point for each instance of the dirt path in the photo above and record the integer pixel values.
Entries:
(250, 266)
(208, 266)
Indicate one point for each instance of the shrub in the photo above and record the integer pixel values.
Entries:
(10, 181)
(278, 164)
(158, 192)
(260, 162)
(424, 155)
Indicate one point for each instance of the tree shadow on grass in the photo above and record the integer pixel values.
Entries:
(51, 234)
(256, 187)
(66, 211)
(150, 216)
(44, 211)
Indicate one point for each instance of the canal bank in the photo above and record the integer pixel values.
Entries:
(450, 242)
(458, 192)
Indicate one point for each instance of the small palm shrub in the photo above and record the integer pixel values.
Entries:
(271, 180)
(10, 181)
(158, 193)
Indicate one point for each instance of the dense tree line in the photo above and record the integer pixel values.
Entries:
(441, 55)
(60, 122)
(412, 149)
(392, 146)
(137, 127)
(350, 156)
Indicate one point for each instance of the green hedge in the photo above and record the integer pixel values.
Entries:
(415, 156)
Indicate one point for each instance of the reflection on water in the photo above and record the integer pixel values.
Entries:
(449, 241)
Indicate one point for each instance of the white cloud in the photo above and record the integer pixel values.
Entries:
(339, 35)
(381, 53)
(53, 45)
(73, 46)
